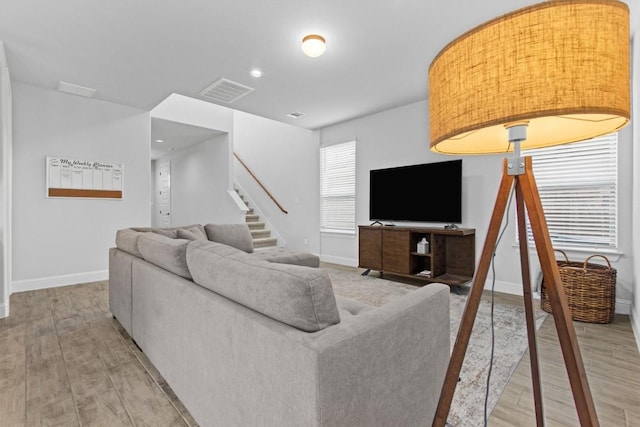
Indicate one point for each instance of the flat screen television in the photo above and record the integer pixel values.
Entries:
(430, 192)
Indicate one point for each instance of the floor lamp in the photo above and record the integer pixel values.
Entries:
(553, 73)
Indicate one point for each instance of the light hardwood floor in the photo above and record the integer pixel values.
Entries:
(612, 364)
(64, 361)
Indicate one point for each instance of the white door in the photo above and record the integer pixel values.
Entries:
(164, 188)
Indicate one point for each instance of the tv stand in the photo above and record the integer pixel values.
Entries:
(451, 256)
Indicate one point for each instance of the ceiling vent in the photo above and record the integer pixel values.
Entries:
(295, 115)
(223, 90)
(73, 89)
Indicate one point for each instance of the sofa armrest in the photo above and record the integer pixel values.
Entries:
(120, 287)
(385, 367)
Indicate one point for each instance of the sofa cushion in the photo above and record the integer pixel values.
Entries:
(284, 256)
(192, 233)
(127, 240)
(236, 235)
(298, 296)
(348, 307)
(165, 252)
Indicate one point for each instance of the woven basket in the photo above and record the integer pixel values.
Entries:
(590, 290)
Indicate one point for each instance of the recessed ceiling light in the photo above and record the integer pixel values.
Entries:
(313, 45)
(158, 140)
(256, 73)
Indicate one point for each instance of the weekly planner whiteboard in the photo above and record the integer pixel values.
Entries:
(84, 178)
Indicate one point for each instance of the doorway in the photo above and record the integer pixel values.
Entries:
(163, 183)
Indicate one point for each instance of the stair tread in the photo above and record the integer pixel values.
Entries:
(264, 242)
(260, 235)
(265, 239)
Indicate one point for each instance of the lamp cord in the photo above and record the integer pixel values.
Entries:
(493, 285)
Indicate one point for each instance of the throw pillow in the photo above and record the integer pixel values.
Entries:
(127, 240)
(165, 252)
(235, 235)
(193, 233)
(168, 232)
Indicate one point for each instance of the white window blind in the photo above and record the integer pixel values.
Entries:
(338, 187)
(578, 189)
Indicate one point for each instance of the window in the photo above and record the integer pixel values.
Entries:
(338, 188)
(578, 189)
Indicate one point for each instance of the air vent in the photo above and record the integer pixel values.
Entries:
(295, 115)
(74, 89)
(224, 90)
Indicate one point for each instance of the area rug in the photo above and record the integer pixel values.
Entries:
(467, 409)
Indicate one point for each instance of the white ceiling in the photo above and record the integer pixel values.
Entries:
(136, 53)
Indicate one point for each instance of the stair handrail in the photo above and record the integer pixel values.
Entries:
(259, 183)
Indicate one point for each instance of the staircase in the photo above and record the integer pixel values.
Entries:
(261, 236)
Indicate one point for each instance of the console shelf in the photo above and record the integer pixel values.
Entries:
(392, 249)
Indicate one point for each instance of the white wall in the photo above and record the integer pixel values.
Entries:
(201, 197)
(635, 122)
(400, 137)
(5, 183)
(285, 159)
(200, 182)
(65, 241)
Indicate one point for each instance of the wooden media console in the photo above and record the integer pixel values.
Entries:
(392, 249)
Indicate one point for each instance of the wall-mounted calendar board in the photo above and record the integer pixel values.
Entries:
(84, 178)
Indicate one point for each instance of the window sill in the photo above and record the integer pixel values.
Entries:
(345, 233)
(612, 254)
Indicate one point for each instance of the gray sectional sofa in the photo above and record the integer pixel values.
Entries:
(250, 338)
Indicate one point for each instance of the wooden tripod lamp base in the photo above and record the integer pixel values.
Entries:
(526, 195)
(514, 74)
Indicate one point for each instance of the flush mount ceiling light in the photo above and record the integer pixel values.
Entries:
(313, 45)
(256, 73)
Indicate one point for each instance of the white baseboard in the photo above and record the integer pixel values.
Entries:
(634, 316)
(505, 287)
(623, 306)
(56, 281)
(4, 310)
(350, 262)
